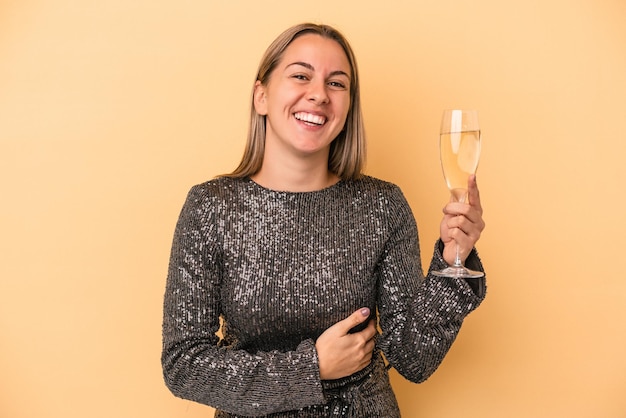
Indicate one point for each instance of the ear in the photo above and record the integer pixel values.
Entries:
(260, 98)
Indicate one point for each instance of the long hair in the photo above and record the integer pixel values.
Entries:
(348, 150)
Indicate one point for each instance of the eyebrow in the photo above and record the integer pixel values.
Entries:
(310, 67)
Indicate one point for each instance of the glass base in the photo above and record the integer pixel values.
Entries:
(460, 272)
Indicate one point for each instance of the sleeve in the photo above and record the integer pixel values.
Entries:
(420, 317)
(196, 365)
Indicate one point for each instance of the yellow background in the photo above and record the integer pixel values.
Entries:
(111, 110)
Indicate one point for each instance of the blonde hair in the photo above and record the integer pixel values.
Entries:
(348, 150)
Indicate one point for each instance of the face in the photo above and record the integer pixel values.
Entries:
(307, 98)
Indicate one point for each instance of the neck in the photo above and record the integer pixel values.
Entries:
(299, 178)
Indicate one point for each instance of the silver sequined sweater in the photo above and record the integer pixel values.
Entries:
(274, 270)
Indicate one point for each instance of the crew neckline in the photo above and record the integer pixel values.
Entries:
(288, 192)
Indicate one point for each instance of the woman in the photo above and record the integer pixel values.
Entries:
(296, 251)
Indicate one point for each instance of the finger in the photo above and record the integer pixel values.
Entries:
(473, 194)
(463, 235)
(354, 321)
(455, 212)
(369, 331)
(444, 228)
(465, 231)
(370, 345)
(367, 349)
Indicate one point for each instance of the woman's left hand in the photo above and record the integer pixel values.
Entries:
(462, 224)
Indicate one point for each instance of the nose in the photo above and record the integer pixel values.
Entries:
(317, 93)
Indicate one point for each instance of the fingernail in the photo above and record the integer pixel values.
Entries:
(365, 311)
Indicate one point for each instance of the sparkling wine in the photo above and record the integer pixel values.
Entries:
(460, 152)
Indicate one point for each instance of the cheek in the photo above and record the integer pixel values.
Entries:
(283, 100)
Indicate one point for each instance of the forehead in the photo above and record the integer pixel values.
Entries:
(321, 52)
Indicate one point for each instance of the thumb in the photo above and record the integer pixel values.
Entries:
(473, 195)
(357, 320)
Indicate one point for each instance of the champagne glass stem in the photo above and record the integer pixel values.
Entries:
(457, 258)
(457, 253)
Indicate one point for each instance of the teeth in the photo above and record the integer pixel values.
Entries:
(307, 117)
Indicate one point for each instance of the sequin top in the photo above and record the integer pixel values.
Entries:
(274, 270)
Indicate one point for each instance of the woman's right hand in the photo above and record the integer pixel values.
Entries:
(342, 353)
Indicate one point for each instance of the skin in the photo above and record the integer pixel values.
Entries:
(311, 81)
(306, 102)
(462, 223)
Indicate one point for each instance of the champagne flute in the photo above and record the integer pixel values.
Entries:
(459, 148)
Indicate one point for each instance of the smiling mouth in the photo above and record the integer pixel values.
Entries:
(310, 118)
